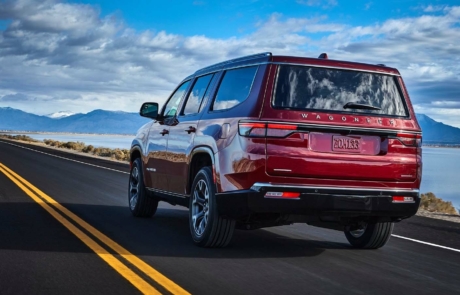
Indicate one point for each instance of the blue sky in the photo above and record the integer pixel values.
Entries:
(224, 19)
(58, 55)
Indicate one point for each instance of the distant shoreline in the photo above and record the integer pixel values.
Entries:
(441, 146)
(63, 133)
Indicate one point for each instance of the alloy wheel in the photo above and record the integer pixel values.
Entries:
(133, 188)
(357, 233)
(200, 207)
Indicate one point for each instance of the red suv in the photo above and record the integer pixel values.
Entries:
(268, 140)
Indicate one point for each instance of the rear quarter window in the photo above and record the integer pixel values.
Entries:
(310, 88)
(234, 88)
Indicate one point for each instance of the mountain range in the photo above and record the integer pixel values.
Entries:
(117, 122)
(435, 132)
(97, 121)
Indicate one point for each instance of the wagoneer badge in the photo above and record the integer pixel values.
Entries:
(345, 119)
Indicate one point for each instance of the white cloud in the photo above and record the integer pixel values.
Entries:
(434, 8)
(54, 51)
(323, 3)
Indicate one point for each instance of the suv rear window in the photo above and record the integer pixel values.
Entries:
(304, 88)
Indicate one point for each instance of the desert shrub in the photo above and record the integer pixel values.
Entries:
(20, 137)
(88, 149)
(103, 152)
(25, 138)
(74, 145)
(431, 203)
(52, 142)
(118, 154)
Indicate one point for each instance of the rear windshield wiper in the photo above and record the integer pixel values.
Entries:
(354, 105)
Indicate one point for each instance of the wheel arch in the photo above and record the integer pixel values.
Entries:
(200, 157)
(136, 152)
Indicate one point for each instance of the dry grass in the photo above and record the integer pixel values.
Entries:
(431, 203)
(71, 145)
(19, 137)
(117, 154)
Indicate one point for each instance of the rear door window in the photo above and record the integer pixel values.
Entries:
(310, 88)
(234, 88)
(197, 94)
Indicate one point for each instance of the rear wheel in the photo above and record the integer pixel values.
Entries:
(141, 203)
(369, 235)
(207, 228)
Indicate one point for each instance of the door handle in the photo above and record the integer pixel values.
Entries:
(164, 131)
(190, 129)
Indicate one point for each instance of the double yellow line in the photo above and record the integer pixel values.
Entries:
(63, 216)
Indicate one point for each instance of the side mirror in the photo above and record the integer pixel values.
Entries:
(149, 110)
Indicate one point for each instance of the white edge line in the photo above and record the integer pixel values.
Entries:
(65, 158)
(426, 243)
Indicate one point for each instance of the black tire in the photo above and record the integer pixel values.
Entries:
(140, 201)
(207, 228)
(371, 236)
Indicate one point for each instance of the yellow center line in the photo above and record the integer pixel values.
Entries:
(122, 269)
(134, 260)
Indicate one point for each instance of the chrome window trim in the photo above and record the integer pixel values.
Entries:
(231, 68)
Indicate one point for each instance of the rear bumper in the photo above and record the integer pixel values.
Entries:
(318, 201)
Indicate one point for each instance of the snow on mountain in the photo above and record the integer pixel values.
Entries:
(59, 115)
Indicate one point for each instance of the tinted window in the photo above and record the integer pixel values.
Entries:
(197, 94)
(171, 107)
(234, 88)
(299, 87)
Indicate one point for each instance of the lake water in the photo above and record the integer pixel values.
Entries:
(441, 166)
(441, 173)
(109, 141)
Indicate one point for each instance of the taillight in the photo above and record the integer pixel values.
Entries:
(410, 139)
(280, 130)
(256, 129)
(252, 129)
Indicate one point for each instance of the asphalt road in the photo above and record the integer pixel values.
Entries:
(39, 255)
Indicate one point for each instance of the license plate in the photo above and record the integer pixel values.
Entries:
(346, 144)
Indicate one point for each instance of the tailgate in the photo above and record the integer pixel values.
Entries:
(334, 155)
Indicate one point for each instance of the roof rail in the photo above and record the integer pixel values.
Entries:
(235, 60)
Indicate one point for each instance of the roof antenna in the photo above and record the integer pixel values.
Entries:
(323, 55)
